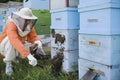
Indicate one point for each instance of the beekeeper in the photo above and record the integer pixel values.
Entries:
(17, 31)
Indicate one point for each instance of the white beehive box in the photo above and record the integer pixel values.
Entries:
(107, 72)
(27, 3)
(67, 40)
(53, 51)
(57, 4)
(104, 49)
(70, 63)
(103, 19)
(67, 18)
(70, 39)
(89, 3)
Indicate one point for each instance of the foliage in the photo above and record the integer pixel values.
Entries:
(43, 23)
(17, 0)
(24, 71)
(3, 1)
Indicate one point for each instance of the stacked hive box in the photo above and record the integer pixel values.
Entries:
(64, 32)
(1, 25)
(5, 10)
(4, 13)
(2, 18)
(36, 4)
(99, 38)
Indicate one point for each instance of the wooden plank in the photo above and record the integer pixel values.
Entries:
(90, 75)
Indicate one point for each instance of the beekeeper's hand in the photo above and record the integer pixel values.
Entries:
(39, 43)
(32, 60)
(40, 50)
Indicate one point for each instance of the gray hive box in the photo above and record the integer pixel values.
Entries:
(57, 4)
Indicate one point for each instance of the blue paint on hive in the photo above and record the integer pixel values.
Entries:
(100, 19)
(66, 18)
(36, 4)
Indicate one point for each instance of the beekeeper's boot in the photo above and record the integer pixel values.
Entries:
(8, 69)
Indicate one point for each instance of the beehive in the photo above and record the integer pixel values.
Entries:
(100, 19)
(70, 62)
(36, 4)
(88, 3)
(67, 18)
(105, 72)
(57, 4)
(67, 41)
(103, 49)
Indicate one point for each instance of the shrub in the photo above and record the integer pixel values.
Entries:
(17, 0)
(3, 1)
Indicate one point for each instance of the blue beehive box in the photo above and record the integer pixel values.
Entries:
(66, 18)
(10, 10)
(36, 4)
(1, 23)
(105, 72)
(103, 19)
(1, 28)
(89, 3)
(103, 49)
(1, 17)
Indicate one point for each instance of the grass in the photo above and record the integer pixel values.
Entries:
(24, 71)
(43, 23)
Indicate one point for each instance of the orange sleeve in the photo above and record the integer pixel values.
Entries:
(15, 40)
(32, 36)
(1, 56)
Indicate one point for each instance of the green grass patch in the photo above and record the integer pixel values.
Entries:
(24, 71)
(44, 21)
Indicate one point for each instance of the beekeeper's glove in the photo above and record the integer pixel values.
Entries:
(39, 50)
(32, 60)
(8, 69)
(39, 43)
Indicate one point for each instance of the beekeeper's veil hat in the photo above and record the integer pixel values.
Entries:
(25, 13)
(24, 19)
